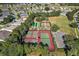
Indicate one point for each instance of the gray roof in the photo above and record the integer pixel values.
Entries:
(23, 14)
(5, 13)
(4, 34)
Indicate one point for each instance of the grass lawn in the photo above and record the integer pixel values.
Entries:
(63, 23)
(58, 52)
(35, 51)
(44, 52)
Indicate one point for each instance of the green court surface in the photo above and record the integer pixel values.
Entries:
(46, 41)
(35, 35)
(44, 35)
(36, 24)
(29, 33)
(45, 38)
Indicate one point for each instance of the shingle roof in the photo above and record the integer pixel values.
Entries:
(4, 34)
(23, 14)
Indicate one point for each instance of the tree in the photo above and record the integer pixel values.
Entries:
(11, 49)
(54, 28)
(0, 12)
(28, 48)
(42, 45)
(71, 14)
(47, 8)
(34, 44)
(46, 45)
(71, 44)
(41, 18)
(56, 13)
(8, 19)
(73, 25)
(18, 15)
(5, 20)
(14, 36)
(10, 10)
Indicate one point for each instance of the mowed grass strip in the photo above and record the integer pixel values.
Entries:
(63, 23)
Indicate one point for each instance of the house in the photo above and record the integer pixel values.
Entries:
(5, 13)
(4, 34)
(23, 16)
(12, 25)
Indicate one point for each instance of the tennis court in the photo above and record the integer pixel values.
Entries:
(40, 36)
(59, 40)
(45, 38)
(30, 37)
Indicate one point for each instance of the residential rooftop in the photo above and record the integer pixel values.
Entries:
(4, 34)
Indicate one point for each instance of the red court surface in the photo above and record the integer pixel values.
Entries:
(37, 37)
